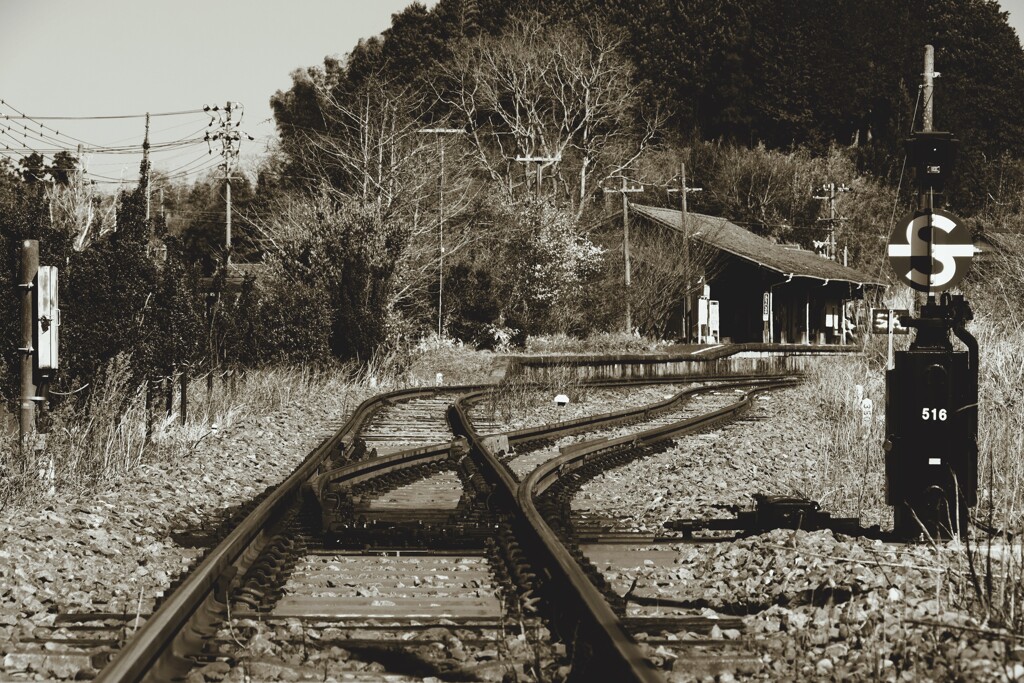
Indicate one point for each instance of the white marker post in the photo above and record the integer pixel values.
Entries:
(891, 363)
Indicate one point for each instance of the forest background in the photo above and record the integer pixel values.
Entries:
(361, 215)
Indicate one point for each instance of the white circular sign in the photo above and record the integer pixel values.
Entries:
(941, 267)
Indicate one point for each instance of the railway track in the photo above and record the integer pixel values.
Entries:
(407, 544)
(604, 645)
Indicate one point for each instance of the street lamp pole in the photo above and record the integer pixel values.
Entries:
(440, 221)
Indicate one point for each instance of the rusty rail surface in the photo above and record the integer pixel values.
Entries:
(620, 656)
(154, 653)
(178, 625)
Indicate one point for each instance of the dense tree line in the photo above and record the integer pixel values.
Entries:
(116, 297)
(785, 74)
(458, 173)
(763, 100)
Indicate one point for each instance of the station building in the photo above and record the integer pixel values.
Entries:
(756, 290)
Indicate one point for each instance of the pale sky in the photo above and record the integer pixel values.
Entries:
(117, 57)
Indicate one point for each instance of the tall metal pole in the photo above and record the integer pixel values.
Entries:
(440, 240)
(924, 197)
(685, 221)
(440, 220)
(929, 87)
(28, 266)
(625, 247)
(625, 252)
(686, 253)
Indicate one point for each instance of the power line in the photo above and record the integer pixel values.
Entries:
(41, 126)
(97, 118)
(56, 145)
(20, 115)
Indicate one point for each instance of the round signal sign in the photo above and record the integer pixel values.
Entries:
(933, 267)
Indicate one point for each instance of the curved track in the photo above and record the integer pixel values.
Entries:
(280, 552)
(611, 649)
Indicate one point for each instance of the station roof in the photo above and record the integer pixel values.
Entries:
(731, 238)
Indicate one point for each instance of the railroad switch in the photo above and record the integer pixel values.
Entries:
(775, 512)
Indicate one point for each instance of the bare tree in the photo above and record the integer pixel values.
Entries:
(75, 209)
(550, 92)
(660, 277)
(375, 151)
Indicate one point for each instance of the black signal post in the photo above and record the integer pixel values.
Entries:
(931, 411)
(931, 424)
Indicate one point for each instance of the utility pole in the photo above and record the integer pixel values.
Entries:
(230, 138)
(540, 161)
(28, 266)
(831, 190)
(685, 221)
(145, 164)
(440, 222)
(929, 87)
(625, 190)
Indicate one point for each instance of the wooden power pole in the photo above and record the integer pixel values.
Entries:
(831, 190)
(28, 266)
(540, 161)
(625, 190)
(685, 222)
(145, 163)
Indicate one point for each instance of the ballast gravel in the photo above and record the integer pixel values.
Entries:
(815, 605)
(119, 550)
(535, 408)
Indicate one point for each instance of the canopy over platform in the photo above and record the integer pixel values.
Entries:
(731, 238)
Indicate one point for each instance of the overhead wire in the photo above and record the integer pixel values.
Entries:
(29, 118)
(58, 143)
(100, 118)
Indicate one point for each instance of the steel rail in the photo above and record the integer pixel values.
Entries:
(138, 660)
(358, 471)
(155, 640)
(549, 472)
(557, 429)
(711, 353)
(607, 636)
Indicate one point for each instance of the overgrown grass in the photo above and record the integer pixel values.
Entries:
(601, 342)
(852, 465)
(104, 438)
(851, 476)
(420, 363)
(987, 578)
(516, 394)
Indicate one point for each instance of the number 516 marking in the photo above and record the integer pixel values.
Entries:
(934, 414)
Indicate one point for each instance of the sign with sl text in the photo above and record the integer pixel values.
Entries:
(886, 320)
(931, 252)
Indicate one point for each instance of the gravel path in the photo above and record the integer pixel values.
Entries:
(719, 467)
(820, 607)
(115, 551)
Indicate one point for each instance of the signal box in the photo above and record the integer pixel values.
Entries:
(933, 153)
(931, 424)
